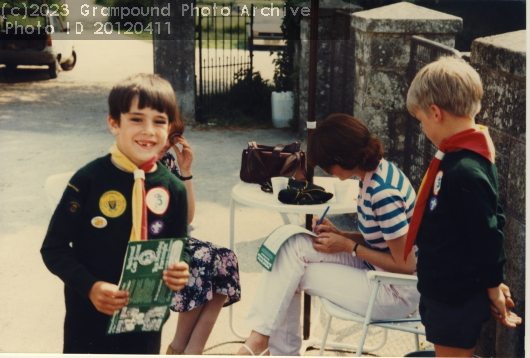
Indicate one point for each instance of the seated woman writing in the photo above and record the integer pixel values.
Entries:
(334, 265)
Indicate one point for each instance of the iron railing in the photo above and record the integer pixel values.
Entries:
(224, 45)
(418, 149)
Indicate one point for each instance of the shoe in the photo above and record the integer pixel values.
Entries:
(252, 353)
(171, 352)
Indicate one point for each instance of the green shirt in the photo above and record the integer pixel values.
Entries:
(89, 231)
(460, 238)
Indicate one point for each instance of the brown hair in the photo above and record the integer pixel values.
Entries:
(449, 83)
(344, 141)
(152, 91)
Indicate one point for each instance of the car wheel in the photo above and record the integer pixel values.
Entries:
(53, 69)
(69, 65)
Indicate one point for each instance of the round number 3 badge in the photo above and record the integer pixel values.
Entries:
(157, 200)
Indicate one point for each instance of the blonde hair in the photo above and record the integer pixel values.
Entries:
(449, 83)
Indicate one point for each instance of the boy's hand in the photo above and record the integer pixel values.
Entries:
(500, 298)
(176, 276)
(325, 226)
(107, 297)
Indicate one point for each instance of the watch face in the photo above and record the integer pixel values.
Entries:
(354, 253)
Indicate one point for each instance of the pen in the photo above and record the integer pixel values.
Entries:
(322, 217)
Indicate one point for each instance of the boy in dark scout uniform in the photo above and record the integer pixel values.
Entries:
(457, 222)
(103, 208)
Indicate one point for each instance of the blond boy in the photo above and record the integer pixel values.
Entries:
(458, 222)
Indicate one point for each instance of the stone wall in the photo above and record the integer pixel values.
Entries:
(335, 61)
(382, 54)
(501, 62)
(174, 54)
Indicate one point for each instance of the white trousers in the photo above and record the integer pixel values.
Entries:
(340, 278)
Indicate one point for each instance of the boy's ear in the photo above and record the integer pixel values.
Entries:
(113, 125)
(437, 112)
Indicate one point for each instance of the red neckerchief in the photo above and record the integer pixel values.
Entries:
(477, 140)
(146, 167)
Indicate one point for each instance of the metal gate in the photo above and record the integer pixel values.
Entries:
(224, 53)
(418, 149)
(342, 62)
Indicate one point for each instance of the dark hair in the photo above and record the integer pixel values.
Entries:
(345, 141)
(152, 91)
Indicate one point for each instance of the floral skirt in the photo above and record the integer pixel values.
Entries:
(213, 269)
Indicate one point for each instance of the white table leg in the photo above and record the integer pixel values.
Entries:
(233, 248)
(315, 313)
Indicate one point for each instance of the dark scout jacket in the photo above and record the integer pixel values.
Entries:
(460, 238)
(89, 231)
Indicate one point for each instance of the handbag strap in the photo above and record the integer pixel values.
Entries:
(277, 150)
(290, 166)
(252, 152)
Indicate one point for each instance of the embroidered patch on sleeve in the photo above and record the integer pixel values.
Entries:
(73, 206)
(73, 187)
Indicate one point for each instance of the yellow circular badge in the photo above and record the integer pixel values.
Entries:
(112, 204)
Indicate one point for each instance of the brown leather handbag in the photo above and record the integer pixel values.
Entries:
(259, 163)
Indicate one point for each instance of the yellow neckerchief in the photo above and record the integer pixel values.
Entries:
(139, 211)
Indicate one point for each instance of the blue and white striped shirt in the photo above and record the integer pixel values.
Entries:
(385, 206)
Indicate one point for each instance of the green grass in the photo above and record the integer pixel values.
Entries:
(144, 36)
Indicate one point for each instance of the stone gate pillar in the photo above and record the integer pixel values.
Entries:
(174, 51)
(501, 62)
(382, 54)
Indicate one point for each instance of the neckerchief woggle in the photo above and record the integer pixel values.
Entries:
(139, 208)
(475, 139)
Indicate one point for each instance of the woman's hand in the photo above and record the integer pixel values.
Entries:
(330, 243)
(176, 276)
(184, 157)
(325, 226)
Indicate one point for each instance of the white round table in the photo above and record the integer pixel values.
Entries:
(252, 195)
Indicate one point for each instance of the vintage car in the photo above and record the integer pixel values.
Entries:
(35, 40)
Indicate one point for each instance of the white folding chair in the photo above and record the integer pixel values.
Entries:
(54, 188)
(410, 324)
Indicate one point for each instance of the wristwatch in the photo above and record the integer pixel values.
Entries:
(354, 252)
